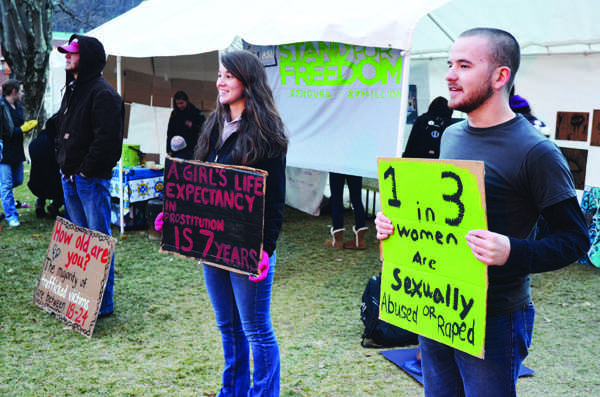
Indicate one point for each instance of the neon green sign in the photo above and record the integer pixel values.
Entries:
(332, 64)
(431, 282)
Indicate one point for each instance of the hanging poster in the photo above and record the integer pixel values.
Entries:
(352, 92)
(572, 126)
(577, 160)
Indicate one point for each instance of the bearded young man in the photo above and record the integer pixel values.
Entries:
(525, 176)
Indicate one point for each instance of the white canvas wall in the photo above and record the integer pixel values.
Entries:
(550, 83)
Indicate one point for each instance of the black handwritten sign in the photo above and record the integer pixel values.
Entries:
(74, 274)
(431, 283)
(214, 213)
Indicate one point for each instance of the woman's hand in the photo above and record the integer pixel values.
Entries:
(263, 269)
(158, 222)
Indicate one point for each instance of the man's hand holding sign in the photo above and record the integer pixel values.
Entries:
(432, 283)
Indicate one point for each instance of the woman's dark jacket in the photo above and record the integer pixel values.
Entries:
(275, 186)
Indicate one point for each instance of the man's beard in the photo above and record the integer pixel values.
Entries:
(476, 100)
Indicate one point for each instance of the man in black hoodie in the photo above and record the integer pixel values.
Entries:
(89, 141)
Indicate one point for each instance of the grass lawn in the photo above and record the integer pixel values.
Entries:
(162, 339)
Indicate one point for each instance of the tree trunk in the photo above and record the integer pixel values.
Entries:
(26, 41)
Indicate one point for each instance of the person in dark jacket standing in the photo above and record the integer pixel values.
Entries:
(426, 133)
(89, 141)
(184, 125)
(246, 129)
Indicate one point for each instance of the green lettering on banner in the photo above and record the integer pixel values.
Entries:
(335, 64)
(427, 265)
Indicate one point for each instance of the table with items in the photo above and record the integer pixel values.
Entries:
(140, 184)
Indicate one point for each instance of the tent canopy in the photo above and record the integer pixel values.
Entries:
(168, 45)
(185, 27)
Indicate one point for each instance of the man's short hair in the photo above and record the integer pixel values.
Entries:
(504, 49)
(9, 86)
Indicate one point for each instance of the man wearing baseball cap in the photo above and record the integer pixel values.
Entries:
(89, 140)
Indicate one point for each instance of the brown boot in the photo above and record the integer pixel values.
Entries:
(358, 242)
(338, 239)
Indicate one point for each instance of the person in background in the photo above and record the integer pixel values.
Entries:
(336, 185)
(246, 129)
(184, 127)
(426, 133)
(13, 154)
(518, 104)
(6, 128)
(89, 141)
(44, 174)
(525, 175)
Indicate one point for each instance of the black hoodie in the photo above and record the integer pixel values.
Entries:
(91, 117)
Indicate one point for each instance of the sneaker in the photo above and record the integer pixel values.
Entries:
(14, 223)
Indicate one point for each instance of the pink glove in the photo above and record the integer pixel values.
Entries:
(263, 269)
(158, 222)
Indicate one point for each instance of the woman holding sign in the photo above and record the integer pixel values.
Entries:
(246, 129)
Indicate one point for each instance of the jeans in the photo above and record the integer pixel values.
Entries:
(336, 185)
(450, 372)
(242, 311)
(11, 176)
(87, 203)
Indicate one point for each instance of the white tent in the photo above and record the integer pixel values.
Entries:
(185, 27)
(172, 40)
(156, 35)
(166, 37)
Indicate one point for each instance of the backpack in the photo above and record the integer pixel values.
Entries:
(377, 332)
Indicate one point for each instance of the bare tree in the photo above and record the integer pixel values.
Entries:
(26, 41)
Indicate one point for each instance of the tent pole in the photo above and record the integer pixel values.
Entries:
(403, 103)
(121, 210)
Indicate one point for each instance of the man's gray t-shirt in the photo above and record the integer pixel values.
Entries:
(524, 173)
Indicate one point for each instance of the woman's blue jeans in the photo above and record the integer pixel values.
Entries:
(450, 372)
(11, 176)
(87, 201)
(242, 310)
(336, 185)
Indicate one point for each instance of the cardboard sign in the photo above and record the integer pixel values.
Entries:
(74, 274)
(214, 213)
(431, 282)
